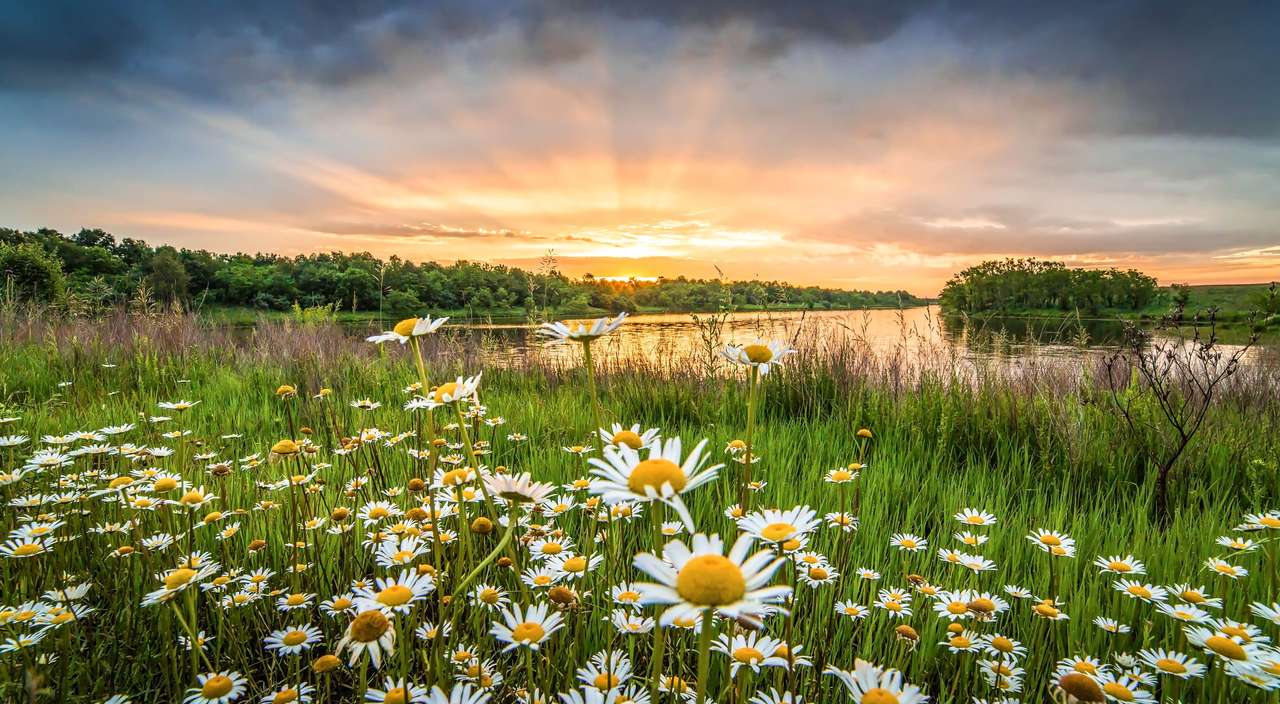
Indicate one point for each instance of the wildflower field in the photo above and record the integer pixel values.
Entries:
(306, 517)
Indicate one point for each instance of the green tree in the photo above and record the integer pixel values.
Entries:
(167, 276)
(32, 273)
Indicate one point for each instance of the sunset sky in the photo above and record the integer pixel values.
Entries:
(850, 144)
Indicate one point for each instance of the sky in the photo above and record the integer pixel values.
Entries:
(876, 145)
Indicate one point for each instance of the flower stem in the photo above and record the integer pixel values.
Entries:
(704, 654)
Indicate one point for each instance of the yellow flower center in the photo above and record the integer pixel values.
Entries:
(404, 328)
(293, 638)
(1224, 568)
(982, 605)
(120, 481)
(489, 595)
(1168, 665)
(449, 389)
(879, 695)
(1086, 667)
(341, 603)
(817, 573)
(1119, 566)
(1225, 647)
(1002, 644)
(528, 632)
(285, 696)
(295, 599)
(164, 484)
(216, 687)
(1118, 691)
(748, 655)
(758, 354)
(542, 580)
(27, 549)
(1046, 610)
(605, 681)
(178, 578)
(627, 437)
(892, 605)
(841, 475)
(1236, 630)
(395, 595)
(908, 543)
(1081, 687)
(710, 580)
(574, 564)
(395, 695)
(654, 473)
(1050, 539)
(775, 532)
(369, 626)
(1139, 591)
(960, 642)
(285, 447)
(191, 497)
(1270, 521)
(551, 548)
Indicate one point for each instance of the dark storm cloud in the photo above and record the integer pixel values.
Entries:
(1184, 66)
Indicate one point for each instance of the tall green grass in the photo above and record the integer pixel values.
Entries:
(1043, 452)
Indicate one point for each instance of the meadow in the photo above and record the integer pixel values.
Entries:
(942, 530)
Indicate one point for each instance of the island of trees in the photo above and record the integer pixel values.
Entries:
(93, 270)
(1032, 285)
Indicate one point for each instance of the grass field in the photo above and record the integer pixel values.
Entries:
(1039, 449)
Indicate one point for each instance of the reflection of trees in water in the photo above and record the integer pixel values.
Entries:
(1001, 334)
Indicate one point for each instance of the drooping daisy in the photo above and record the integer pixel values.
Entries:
(701, 577)
(1110, 625)
(627, 622)
(370, 631)
(1270, 613)
(529, 627)
(216, 688)
(868, 684)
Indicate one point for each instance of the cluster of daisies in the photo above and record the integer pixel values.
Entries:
(411, 566)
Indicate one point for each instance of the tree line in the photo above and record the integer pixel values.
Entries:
(92, 269)
(1013, 285)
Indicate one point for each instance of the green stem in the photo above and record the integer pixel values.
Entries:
(704, 654)
(595, 400)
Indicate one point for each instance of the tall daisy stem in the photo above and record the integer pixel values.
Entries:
(595, 400)
(704, 654)
(744, 496)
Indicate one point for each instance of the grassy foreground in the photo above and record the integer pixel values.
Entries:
(1038, 449)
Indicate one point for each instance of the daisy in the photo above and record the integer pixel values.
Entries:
(1124, 688)
(370, 631)
(1183, 612)
(539, 577)
(908, 542)
(1003, 647)
(216, 688)
(570, 566)
(489, 597)
(1225, 569)
(578, 332)
(395, 594)
(1225, 646)
(1237, 544)
(1198, 596)
(607, 669)
(662, 476)
(693, 579)
(1134, 589)
(818, 575)
(974, 517)
(851, 609)
(760, 355)
(633, 437)
(627, 623)
(398, 691)
(868, 684)
(1169, 662)
(775, 526)
(1270, 613)
(750, 650)
(841, 475)
(290, 694)
(1053, 542)
(1120, 565)
(518, 488)
(408, 328)
(971, 539)
(292, 641)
